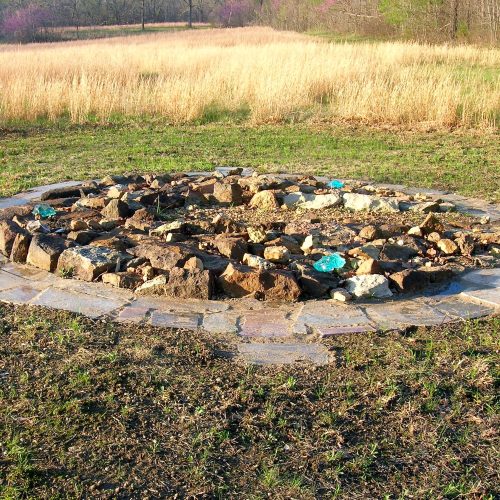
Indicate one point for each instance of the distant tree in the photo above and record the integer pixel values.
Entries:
(25, 24)
(189, 4)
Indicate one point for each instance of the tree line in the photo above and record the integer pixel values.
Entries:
(427, 20)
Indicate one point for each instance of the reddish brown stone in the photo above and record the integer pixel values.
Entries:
(272, 285)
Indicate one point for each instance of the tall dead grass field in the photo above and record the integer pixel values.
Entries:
(262, 75)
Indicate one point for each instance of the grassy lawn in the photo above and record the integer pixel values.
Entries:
(462, 162)
(97, 409)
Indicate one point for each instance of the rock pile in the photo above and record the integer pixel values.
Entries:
(227, 235)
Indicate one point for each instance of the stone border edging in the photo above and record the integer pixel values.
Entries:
(268, 332)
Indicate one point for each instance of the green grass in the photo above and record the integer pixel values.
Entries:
(466, 163)
(95, 409)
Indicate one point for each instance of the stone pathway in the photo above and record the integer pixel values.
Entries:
(266, 333)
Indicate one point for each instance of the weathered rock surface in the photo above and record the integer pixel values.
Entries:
(360, 202)
(20, 248)
(87, 263)
(44, 251)
(233, 248)
(122, 280)
(163, 256)
(8, 232)
(116, 209)
(264, 200)
(257, 262)
(271, 285)
(449, 247)
(181, 283)
(277, 254)
(314, 283)
(228, 194)
(374, 285)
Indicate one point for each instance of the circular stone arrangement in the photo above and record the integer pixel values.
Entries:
(198, 241)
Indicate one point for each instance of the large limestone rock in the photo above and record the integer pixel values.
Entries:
(369, 285)
(163, 256)
(359, 202)
(265, 200)
(20, 248)
(272, 285)
(448, 247)
(321, 201)
(257, 262)
(88, 263)
(233, 248)
(277, 254)
(122, 280)
(8, 232)
(181, 283)
(228, 194)
(44, 251)
(115, 209)
(312, 201)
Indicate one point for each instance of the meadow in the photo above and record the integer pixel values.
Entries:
(257, 75)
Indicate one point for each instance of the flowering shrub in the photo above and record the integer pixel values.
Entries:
(25, 24)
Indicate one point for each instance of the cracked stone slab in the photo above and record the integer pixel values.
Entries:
(396, 315)
(487, 296)
(94, 289)
(19, 295)
(9, 280)
(167, 304)
(456, 308)
(483, 278)
(132, 313)
(325, 319)
(184, 321)
(283, 354)
(91, 306)
(28, 272)
(223, 322)
(266, 324)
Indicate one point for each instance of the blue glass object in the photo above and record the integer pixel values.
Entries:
(44, 211)
(336, 184)
(329, 263)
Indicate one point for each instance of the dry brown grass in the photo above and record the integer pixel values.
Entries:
(273, 76)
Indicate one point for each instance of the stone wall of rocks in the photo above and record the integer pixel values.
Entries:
(196, 236)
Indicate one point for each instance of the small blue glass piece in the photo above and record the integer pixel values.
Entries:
(336, 184)
(44, 211)
(329, 263)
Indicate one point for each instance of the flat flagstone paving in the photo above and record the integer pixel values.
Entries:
(268, 324)
(489, 296)
(272, 354)
(400, 314)
(489, 278)
(457, 308)
(10, 280)
(223, 322)
(273, 333)
(133, 314)
(19, 295)
(172, 320)
(91, 306)
(325, 318)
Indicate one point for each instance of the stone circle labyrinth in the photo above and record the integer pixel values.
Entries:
(277, 260)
